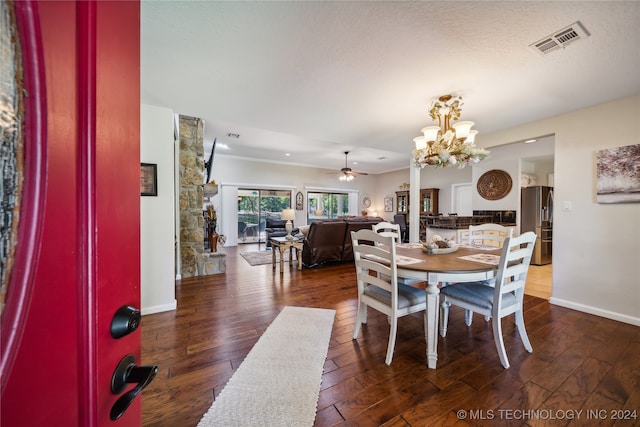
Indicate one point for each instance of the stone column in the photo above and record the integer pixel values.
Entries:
(195, 261)
(191, 195)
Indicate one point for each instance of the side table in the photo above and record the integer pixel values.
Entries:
(282, 244)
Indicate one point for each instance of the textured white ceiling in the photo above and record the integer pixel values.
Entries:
(314, 79)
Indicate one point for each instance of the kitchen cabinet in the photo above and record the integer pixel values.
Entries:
(454, 232)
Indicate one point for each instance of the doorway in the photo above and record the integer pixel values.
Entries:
(461, 197)
(255, 207)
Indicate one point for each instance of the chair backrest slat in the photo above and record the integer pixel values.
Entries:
(388, 229)
(488, 234)
(514, 265)
(378, 257)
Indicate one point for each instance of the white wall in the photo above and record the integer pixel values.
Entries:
(157, 262)
(387, 185)
(596, 247)
(443, 178)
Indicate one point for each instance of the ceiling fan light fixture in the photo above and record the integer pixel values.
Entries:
(346, 174)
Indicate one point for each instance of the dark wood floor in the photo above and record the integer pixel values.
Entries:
(580, 362)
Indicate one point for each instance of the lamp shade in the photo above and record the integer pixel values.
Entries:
(431, 133)
(471, 137)
(462, 129)
(288, 214)
(421, 143)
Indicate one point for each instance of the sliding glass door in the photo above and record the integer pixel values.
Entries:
(326, 206)
(254, 207)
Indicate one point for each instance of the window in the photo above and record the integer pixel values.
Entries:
(327, 205)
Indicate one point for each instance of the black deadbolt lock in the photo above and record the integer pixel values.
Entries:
(126, 320)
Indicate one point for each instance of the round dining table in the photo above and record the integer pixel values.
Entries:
(466, 264)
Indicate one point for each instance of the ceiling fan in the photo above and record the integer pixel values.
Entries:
(346, 173)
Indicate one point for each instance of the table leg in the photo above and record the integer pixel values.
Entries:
(299, 256)
(431, 328)
(273, 257)
(281, 259)
(290, 255)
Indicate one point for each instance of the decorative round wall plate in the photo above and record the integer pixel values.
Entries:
(494, 185)
(366, 201)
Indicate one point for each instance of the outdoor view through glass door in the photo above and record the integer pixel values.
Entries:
(327, 205)
(254, 208)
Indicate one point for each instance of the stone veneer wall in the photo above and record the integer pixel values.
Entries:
(195, 262)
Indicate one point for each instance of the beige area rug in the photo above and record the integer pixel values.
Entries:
(264, 257)
(278, 383)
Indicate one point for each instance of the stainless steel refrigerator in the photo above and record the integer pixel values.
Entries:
(536, 214)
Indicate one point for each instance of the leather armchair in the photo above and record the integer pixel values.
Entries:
(275, 227)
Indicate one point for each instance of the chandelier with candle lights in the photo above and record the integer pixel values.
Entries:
(446, 145)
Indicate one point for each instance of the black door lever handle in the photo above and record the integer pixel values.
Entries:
(128, 373)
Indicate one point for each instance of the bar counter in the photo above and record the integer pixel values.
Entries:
(456, 228)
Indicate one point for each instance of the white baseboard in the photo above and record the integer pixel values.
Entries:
(178, 277)
(596, 311)
(160, 308)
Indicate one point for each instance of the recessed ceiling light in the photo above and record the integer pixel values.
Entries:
(221, 145)
(233, 135)
(287, 154)
(529, 141)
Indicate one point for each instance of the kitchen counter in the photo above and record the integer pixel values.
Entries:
(460, 222)
(457, 227)
(460, 225)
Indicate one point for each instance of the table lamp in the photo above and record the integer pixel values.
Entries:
(288, 215)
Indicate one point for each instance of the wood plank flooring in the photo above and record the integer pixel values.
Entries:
(539, 281)
(580, 362)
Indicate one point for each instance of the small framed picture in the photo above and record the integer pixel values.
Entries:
(148, 179)
(299, 201)
(388, 204)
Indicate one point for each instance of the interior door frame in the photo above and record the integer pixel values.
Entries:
(455, 188)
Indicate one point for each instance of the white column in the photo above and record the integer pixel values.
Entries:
(229, 213)
(414, 202)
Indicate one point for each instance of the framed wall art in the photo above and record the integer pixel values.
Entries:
(299, 201)
(619, 174)
(388, 204)
(148, 179)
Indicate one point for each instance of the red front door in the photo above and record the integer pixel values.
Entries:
(87, 263)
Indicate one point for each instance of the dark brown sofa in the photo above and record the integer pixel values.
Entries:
(329, 241)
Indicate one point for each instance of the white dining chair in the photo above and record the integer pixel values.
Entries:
(488, 235)
(388, 229)
(392, 230)
(375, 253)
(503, 299)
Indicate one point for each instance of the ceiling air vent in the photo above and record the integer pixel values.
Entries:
(560, 38)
